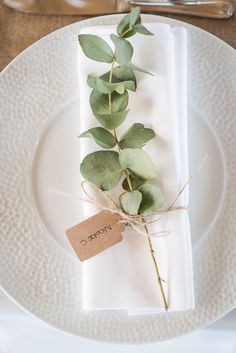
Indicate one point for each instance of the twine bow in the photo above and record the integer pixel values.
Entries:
(137, 222)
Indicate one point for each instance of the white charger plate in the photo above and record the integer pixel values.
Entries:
(39, 148)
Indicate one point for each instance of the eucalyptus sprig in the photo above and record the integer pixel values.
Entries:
(122, 159)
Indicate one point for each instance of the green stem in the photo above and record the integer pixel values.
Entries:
(114, 130)
(128, 180)
(110, 80)
(131, 188)
(125, 32)
(164, 300)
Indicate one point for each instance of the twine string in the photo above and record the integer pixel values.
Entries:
(137, 222)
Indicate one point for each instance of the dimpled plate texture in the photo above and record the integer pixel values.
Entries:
(37, 272)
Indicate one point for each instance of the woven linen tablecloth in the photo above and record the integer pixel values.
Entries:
(19, 30)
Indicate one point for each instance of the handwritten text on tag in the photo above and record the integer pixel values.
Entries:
(95, 234)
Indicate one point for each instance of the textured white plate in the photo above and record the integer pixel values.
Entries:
(39, 148)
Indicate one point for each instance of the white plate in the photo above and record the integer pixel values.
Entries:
(39, 148)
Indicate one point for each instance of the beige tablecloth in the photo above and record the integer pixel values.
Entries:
(19, 30)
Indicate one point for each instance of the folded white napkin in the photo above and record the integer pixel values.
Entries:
(123, 277)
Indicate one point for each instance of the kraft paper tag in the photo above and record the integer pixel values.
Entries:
(95, 234)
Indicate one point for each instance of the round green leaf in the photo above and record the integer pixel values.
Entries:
(137, 68)
(103, 137)
(102, 168)
(136, 136)
(120, 74)
(119, 101)
(152, 199)
(99, 102)
(92, 80)
(126, 27)
(139, 162)
(125, 30)
(113, 120)
(142, 30)
(136, 182)
(130, 202)
(120, 87)
(123, 49)
(134, 16)
(96, 48)
(105, 87)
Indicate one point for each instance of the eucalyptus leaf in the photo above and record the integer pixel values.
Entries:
(99, 102)
(113, 120)
(96, 48)
(136, 136)
(120, 74)
(139, 162)
(119, 101)
(136, 182)
(105, 87)
(102, 168)
(120, 87)
(126, 27)
(130, 202)
(142, 30)
(92, 80)
(123, 49)
(152, 199)
(137, 68)
(108, 101)
(134, 16)
(102, 137)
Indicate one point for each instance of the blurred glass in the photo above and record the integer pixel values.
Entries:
(19, 4)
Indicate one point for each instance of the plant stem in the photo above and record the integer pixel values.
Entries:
(114, 130)
(128, 180)
(165, 303)
(110, 80)
(131, 188)
(124, 33)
